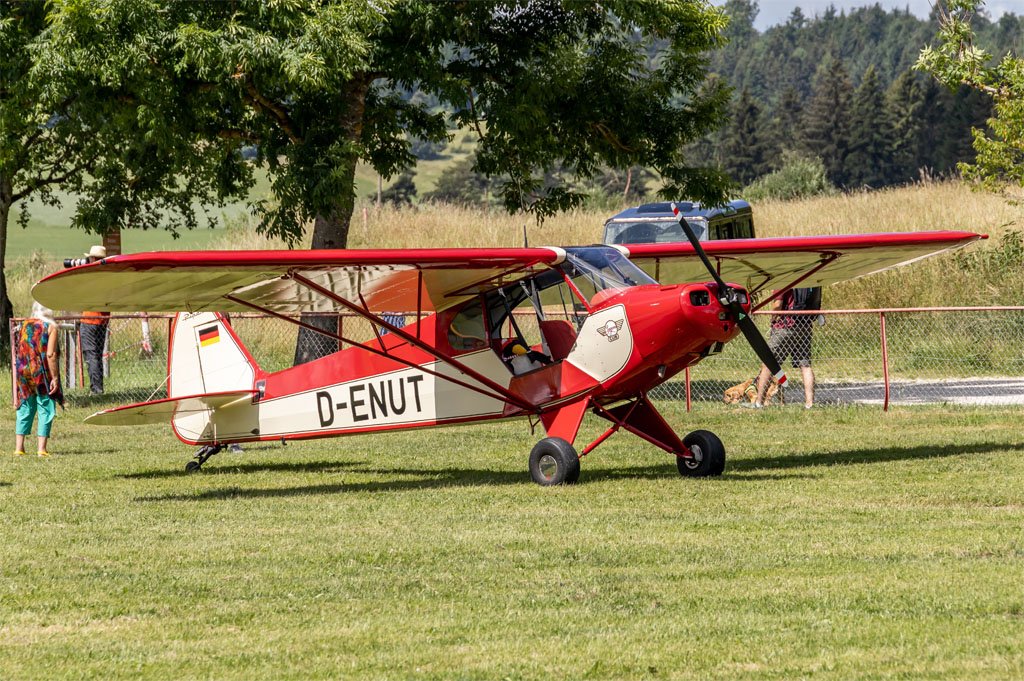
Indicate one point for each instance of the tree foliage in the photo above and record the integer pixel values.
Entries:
(827, 121)
(957, 60)
(871, 138)
(74, 122)
(318, 87)
(745, 153)
(921, 129)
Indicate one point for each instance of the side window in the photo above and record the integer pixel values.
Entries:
(467, 331)
(748, 228)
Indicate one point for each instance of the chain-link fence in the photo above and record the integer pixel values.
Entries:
(894, 356)
(958, 355)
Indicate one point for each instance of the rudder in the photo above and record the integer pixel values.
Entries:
(206, 356)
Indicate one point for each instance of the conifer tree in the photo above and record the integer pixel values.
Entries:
(745, 154)
(782, 126)
(826, 125)
(869, 162)
(906, 104)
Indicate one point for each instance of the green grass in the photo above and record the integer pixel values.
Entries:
(841, 543)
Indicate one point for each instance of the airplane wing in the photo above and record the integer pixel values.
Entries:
(765, 264)
(398, 281)
(161, 411)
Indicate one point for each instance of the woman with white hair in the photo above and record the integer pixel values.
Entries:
(37, 377)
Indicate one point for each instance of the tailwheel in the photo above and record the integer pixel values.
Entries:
(201, 456)
(553, 461)
(708, 455)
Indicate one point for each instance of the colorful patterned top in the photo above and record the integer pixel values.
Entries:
(32, 374)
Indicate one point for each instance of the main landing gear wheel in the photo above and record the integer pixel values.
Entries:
(708, 455)
(201, 456)
(553, 461)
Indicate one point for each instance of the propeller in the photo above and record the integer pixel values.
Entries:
(729, 298)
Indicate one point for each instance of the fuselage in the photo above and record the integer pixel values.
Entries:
(623, 341)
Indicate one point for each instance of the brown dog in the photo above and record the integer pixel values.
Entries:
(747, 391)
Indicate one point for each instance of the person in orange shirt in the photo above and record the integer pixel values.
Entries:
(93, 334)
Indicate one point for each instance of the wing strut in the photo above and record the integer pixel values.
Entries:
(506, 394)
(502, 397)
(797, 282)
(503, 394)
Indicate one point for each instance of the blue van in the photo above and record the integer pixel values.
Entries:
(654, 223)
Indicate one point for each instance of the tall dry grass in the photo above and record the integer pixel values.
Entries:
(945, 280)
(931, 206)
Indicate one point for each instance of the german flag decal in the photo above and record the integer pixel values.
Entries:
(209, 335)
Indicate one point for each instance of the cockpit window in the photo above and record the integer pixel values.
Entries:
(519, 310)
(595, 269)
(467, 331)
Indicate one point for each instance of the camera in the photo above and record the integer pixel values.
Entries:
(75, 262)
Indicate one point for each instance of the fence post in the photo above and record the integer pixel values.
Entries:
(687, 370)
(79, 359)
(885, 361)
(14, 362)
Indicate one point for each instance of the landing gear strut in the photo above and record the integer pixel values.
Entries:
(201, 456)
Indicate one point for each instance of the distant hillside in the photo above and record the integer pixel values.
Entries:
(838, 87)
(790, 55)
(841, 87)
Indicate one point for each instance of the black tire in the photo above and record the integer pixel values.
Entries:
(553, 461)
(193, 467)
(709, 455)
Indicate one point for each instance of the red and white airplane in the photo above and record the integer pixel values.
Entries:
(639, 315)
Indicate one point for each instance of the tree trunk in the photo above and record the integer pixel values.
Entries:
(6, 309)
(330, 230)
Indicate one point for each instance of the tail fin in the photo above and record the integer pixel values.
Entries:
(206, 356)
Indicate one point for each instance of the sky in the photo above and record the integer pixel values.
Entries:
(777, 11)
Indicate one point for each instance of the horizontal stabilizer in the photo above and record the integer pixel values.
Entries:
(162, 411)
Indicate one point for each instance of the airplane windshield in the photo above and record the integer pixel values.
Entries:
(519, 310)
(598, 268)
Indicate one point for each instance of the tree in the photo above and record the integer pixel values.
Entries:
(745, 152)
(905, 104)
(460, 184)
(402, 191)
(742, 14)
(781, 127)
(826, 130)
(869, 162)
(102, 138)
(957, 61)
(317, 87)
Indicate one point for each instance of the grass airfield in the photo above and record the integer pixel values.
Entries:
(841, 543)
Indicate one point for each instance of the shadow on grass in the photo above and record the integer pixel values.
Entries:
(865, 456)
(228, 468)
(423, 479)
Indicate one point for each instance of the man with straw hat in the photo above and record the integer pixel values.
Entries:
(93, 334)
